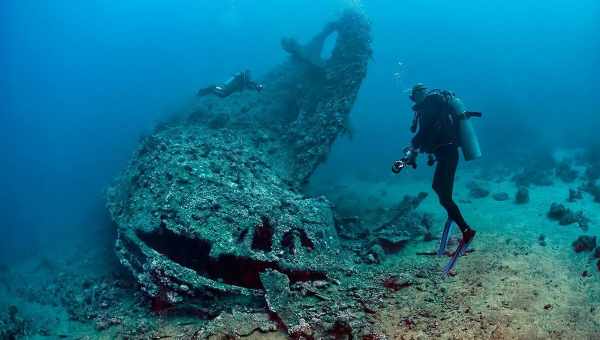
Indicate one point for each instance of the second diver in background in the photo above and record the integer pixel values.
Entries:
(440, 126)
(309, 54)
(238, 82)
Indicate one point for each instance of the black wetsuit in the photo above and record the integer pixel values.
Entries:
(239, 82)
(438, 135)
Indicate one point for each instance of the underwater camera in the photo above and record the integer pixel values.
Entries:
(398, 166)
(410, 157)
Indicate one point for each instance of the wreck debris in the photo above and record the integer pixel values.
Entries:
(500, 196)
(566, 216)
(402, 226)
(12, 326)
(592, 188)
(534, 175)
(522, 196)
(210, 203)
(236, 324)
(397, 282)
(565, 172)
(477, 190)
(376, 254)
(278, 296)
(596, 253)
(542, 240)
(584, 243)
(574, 195)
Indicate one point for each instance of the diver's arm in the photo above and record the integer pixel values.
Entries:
(410, 158)
(254, 86)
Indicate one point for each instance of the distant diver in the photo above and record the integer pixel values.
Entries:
(237, 83)
(443, 126)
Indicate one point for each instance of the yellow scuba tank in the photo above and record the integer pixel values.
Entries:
(467, 138)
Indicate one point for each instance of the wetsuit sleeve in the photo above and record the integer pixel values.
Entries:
(250, 84)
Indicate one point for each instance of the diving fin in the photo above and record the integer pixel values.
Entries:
(445, 235)
(460, 251)
(206, 91)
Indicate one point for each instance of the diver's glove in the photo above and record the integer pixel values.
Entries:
(410, 158)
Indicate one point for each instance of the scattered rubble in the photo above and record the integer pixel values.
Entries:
(278, 296)
(234, 325)
(592, 188)
(397, 282)
(542, 240)
(522, 195)
(376, 254)
(565, 172)
(574, 195)
(12, 326)
(477, 190)
(403, 224)
(566, 216)
(540, 176)
(596, 253)
(592, 173)
(584, 243)
(500, 196)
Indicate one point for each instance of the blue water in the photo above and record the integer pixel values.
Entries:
(83, 80)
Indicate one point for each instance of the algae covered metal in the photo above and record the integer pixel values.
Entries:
(210, 202)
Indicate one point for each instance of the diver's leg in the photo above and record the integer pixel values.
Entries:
(206, 91)
(221, 92)
(448, 225)
(467, 232)
(252, 85)
(443, 184)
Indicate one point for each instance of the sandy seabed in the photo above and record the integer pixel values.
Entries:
(511, 287)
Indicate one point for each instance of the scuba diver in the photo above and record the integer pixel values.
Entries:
(237, 83)
(443, 126)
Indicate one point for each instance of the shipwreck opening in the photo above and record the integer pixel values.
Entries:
(188, 252)
(288, 241)
(263, 235)
(245, 272)
(233, 270)
(329, 46)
